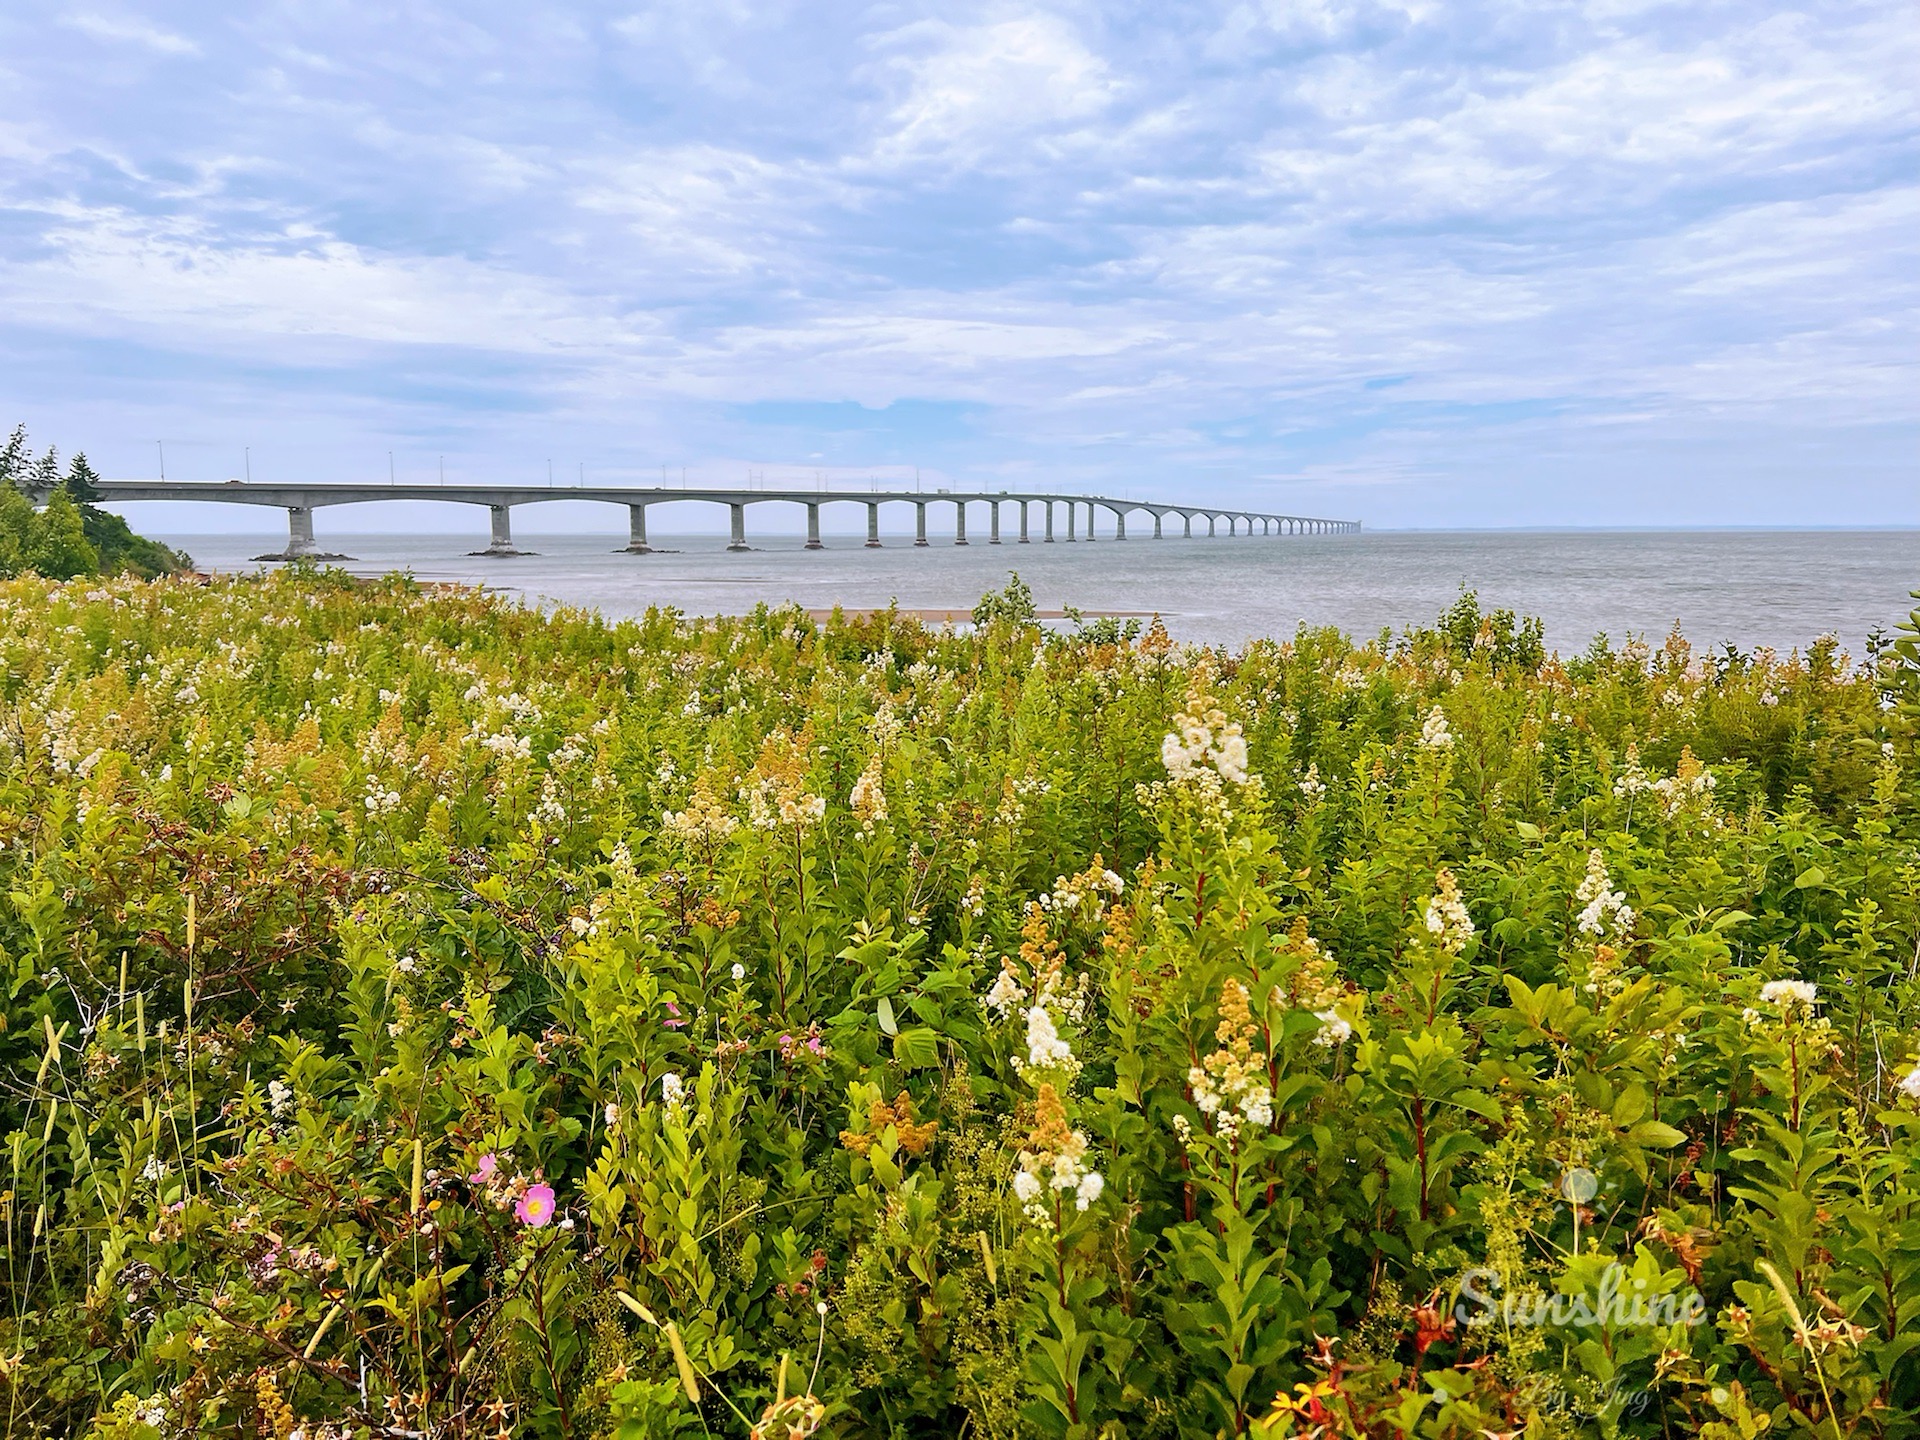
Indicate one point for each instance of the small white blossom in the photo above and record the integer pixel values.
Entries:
(1789, 993)
(1334, 1028)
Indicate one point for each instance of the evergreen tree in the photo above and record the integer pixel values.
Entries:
(72, 536)
(44, 477)
(58, 548)
(13, 457)
(82, 483)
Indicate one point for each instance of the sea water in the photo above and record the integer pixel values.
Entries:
(1749, 588)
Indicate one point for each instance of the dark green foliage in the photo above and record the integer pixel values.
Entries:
(69, 535)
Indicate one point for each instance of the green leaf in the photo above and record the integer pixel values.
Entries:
(1655, 1135)
(1631, 1106)
(888, 1024)
(917, 1048)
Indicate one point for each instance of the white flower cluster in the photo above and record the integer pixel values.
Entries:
(1606, 911)
(1311, 785)
(279, 1099)
(673, 1092)
(1676, 791)
(381, 801)
(1065, 1170)
(1046, 1049)
(1447, 919)
(1238, 1097)
(1790, 995)
(1910, 1083)
(703, 822)
(1006, 995)
(1083, 896)
(508, 746)
(1334, 1030)
(1633, 779)
(868, 800)
(1434, 734)
(1202, 741)
(770, 805)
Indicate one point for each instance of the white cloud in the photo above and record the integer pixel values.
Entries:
(966, 95)
(129, 30)
(1195, 232)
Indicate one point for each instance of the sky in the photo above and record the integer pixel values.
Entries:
(1613, 263)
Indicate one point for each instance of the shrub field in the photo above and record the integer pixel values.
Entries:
(425, 1017)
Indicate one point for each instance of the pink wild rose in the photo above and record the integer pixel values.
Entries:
(535, 1207)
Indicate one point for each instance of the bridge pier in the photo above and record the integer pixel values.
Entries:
(500, 540)
(739, 540)
(1187, 522)
(1073, 518)
(959, 522)
(1156, 525)
(300, 539)
(1089, 522)
(813, 528)
(873, 526)
(1119, 525)
(1049, 539)
(637, 530)
(993, 522)
(1023, 523)
(919, 522)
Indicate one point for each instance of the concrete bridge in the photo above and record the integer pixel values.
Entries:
(300, 501)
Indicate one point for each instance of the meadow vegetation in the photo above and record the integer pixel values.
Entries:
(428, 1017)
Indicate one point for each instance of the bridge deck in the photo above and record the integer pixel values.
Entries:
(300, 501)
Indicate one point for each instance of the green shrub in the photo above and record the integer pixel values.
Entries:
(427, 1016)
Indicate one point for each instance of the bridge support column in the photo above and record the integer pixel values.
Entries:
(873, 526)
(959, 522)
(1089, 522)
(1049, 538)
(993, 522)
(300, 539)
(1023, 523)
(1211, 532)
(1187, 532)
(1156, 525)
(1119, 525)
(739, 539)
(637, 530)
(1073, 518)
(919, 522)
(813, 528)
(501, 540)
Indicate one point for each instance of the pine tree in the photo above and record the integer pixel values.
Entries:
(43, 478)
(82, 483)
(13, 457)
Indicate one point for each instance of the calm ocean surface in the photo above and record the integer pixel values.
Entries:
(1778, 588)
